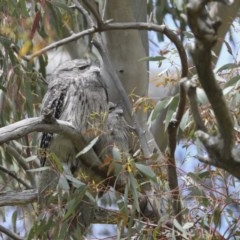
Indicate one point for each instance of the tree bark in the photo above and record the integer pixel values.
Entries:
(125, 48)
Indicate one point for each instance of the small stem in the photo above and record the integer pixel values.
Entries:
(13, 175)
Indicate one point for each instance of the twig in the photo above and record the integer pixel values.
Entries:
(10, 234)
(190, 87)
(172, 138)
(10, 173)
(13, 152)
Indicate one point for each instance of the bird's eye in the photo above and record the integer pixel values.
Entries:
(111, 108)
(82, 67)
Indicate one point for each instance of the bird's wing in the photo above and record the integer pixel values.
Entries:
(54, 99)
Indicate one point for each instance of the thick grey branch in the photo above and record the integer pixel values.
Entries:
(205, 31)
(121, 26)
(221, 152)
(26, 126)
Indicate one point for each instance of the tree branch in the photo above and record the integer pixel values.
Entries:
(13, 175)
(21, 160)
(190, 88)
(12, 198)
(220, 148)
(38, 124)
(105, 26)
(205, 31)
(119, 26)
(10, 234)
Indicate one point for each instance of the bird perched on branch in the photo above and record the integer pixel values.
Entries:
(113, 146)
(77, 94)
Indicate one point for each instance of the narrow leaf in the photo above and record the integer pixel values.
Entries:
(158, 109)
(156, 58)
(39, 169)
(146, 170)
(227, 67)
(133, 183)
(88, 147)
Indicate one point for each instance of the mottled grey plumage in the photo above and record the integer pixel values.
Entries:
(113, 145)
(76, 93)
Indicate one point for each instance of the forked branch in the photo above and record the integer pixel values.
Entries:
(220, 148)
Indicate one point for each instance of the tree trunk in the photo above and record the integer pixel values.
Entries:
(125, 48)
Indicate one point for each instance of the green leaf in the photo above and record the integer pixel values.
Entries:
(173, 103)
(72, 205)
(217, 217)
(39, 169)
(31, 158)
(228, 66)
(56, 161)
(227, 90)
(154, 59)
(88, 147)
(232, 81)
(147, 171)
(116, 153)
(3, 88)
(172, 107)
(169, 117)
(188, 34)
(134, 187)
(185, 120)
(61, 5)
(179, 4)
(158, 109)
(63, 183)
(5, 41)
(180, 228)
(201, 95)
(76, 183)
(14, 220)
(188, 225)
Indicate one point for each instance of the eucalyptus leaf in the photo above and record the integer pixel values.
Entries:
(159, 107)
(228, 66)
(201, 96)
(155, 58)
(232, 81)
(88, 147)
(63, 183)
(134, 187)
(38, 169)
(147, 171)
(76, 183)
(185, 120)
(31, 158)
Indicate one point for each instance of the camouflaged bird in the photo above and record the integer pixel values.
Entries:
(77, 94)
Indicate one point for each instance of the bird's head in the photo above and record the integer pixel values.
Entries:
(78, 65)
